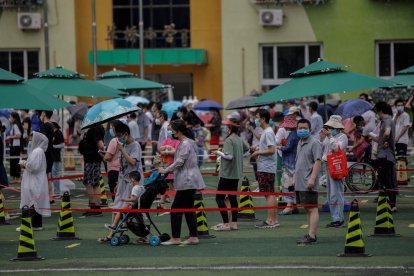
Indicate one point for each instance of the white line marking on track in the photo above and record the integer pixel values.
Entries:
(206, 268)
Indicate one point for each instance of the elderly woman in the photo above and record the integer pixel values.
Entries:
(231, 170)
(187, 180)
(35, 188)
(333, 138)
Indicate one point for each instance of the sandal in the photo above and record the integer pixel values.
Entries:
(222, 227)
(104, 239)
(141, 241)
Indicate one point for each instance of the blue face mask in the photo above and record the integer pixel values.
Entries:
(122, 139)
(111, 132)
(257, 122)
(303, 133)
(334, 131)
(169, 133)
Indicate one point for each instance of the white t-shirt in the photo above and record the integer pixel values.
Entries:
(15, 131)
(402, 121)
(134, 129)
(267, 163)
(137, 191)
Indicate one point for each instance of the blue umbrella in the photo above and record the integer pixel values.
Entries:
(171, 107)
(107, 111)
(207, 105)
(135, 100)
(353, 108)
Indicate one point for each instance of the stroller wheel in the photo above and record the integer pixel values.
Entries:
(164, 237)
(124, 239)
(115, 241)
(154, 241)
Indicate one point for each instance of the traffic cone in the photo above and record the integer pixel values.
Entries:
(202, 227)
(27, 248)
(2, 214)
(65, 228)
(246, 201)
(384, 222)
(104, 198)
(354, 243)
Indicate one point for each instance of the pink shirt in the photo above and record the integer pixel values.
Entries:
(169, 159)
(114, 164)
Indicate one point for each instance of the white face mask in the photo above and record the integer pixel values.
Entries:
(157, 122)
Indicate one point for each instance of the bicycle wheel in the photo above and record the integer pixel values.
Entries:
(361, 177)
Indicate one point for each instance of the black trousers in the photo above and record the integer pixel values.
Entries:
(183, 200)
(143, 146)
(226, 184)
(386, 175)
(14, 161)
(36, 218)
(112, 182)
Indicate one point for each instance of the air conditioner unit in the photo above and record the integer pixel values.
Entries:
(271, 17)
(29, 21)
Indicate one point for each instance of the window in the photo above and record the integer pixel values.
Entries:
(393, 57)
(279, 61)
(21, 62)
(166, 23)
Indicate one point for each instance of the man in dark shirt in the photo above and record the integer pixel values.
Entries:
(46, 128)
(90, 145)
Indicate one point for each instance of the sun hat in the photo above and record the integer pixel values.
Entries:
(335, 121)
(253, 109)
(293, 110)
(289, 121)
(231, 122)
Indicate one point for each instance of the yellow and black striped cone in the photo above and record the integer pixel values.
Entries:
(246, 201)
(202, 227)
(354, 243)
(104, 197)
(384, 222)
(65, 228)
(2, 214)
(27, 248)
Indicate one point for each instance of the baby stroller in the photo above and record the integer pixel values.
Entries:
(154, 185)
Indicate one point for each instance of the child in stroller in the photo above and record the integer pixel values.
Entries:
(134, 221)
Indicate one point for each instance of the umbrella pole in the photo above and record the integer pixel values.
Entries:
(141, 41)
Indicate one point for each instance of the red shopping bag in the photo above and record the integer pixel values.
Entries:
(337, 164)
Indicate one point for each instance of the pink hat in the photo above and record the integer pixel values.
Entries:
(228, 122)
(290, 121)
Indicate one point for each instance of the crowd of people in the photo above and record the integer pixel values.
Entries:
(291, 148)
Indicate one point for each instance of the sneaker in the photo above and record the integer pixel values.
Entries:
(92, 214)
(37, 228)
(307, 240)
(264, 225)
(18, 229)
(336, 224)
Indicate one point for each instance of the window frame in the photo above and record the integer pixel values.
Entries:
(25, 59)
(392, 60)
(278, 81)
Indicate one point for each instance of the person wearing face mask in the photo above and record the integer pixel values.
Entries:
(133, 126)
(402, 124)
(333, 138)
(111, 157)
(14, 140)
(361, 148)
(130, 154)
(162, 121)
(167, 150)
(308, 162)
(266, 156)
(254, 127)
(231, 170)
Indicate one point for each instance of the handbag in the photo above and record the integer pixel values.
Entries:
(337, 164)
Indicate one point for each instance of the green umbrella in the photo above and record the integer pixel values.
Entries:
(126, 81)
(320, 78)
(14, 93)
(60, 81)
(405, 77)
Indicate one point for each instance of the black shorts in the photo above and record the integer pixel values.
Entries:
(266, 182)
(307, 197)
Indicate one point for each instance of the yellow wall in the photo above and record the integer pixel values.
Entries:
(83, 9)
(206, 34)
(205, 23)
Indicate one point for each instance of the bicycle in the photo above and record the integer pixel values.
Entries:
(362, 177)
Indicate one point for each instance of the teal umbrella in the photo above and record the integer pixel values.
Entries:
(127, 81)
(60, 81)
(135, 100)
(107, 111)
(320, 78)
(405, 77)
(14, 93)
(171, 107)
